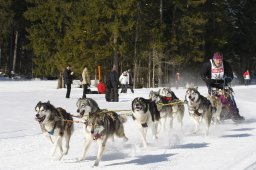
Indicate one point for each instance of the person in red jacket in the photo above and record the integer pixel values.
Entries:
(101, 87)
(247, 78)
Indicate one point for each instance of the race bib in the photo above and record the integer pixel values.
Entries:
(217, 72)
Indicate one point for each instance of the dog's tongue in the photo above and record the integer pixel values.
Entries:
(96, 136)
(39, 119)
(82, 113)
(192, 99)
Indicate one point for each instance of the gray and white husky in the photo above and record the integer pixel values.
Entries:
(86, 106)
(99, 126)
(56, 124)
(199, 108)
(169, 106)
(145, 115)
(215, 100)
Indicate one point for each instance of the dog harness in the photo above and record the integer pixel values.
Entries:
(194, 109)
(49, 132)
(52, 131)
(167, 99)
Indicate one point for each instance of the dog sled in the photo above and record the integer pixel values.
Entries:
(224, 105)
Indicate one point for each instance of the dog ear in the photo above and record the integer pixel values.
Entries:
(145, 102)
(196, 87)
(132, 104)
(48, 102)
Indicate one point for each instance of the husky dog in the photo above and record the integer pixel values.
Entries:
(55, 123)
(199, 108)
(169, 105)
(154, 96)
(145, 114)
(215, 100)
(99, 127)
(86, 106)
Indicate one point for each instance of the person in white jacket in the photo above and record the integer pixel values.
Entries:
(86, 81)
(124, 80)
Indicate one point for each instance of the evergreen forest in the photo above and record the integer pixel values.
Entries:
(153, 38)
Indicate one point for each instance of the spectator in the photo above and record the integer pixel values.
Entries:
(130, 82)
(123, 79)
(114, 85)
(247, 77)
(177, 80)
(68, 78)
(85, 81)
(101, 87)
(108, 87)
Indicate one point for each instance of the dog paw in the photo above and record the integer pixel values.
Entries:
(52, 154)
(80, 159)
(65, 152)
(125, 139)
(60, 157)
(155, 137)
(96, 163)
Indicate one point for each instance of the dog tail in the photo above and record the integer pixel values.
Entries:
(123, 118)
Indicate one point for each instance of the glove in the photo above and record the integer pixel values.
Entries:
(227, 79)
(207, 80)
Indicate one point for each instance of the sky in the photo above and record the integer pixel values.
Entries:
(229, 146)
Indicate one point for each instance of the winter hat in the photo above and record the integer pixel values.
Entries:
(217, 56)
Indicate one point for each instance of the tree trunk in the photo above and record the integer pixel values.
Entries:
(161, 11)
(135, 49)
(159, 70)
(60, 82)
(154, 65)
(149, 72)
(15, 51)
(0, 56)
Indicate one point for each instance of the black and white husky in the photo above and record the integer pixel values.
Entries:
(100, 125)
(55, 123)
(145, 114)
(169, 106)
(199, 108)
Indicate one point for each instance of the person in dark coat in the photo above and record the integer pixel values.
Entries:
(68, 78)
(217, 73)
(108, 87)
(114, 84)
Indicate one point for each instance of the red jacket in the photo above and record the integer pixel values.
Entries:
(246, 75)
(101, 88)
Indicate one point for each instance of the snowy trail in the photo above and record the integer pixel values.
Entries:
(23, 147)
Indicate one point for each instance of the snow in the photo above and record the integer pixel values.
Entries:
(24, 147)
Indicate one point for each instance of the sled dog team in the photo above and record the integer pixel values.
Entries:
(155, 113)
